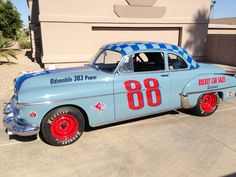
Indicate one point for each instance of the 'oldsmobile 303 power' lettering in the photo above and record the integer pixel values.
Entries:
(70, 79)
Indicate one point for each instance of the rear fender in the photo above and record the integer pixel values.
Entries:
(207, 83)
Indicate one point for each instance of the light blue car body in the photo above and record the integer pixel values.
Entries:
(41, 92)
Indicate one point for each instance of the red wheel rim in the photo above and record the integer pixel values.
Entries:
(209, 102)
(64, 127)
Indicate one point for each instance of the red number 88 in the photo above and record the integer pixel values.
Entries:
(136, 90)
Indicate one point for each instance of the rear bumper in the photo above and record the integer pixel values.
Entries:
(15, 125)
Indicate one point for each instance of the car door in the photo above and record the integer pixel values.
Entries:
(141, 86)
(179, 75)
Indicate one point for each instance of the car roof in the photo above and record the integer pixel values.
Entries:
(126, 48)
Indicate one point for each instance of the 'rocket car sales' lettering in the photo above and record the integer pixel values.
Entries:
(213, 80)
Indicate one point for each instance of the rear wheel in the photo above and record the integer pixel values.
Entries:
(62, 126)
(207, 104)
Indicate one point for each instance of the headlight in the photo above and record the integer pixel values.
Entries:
(15, 103)
(18, 106)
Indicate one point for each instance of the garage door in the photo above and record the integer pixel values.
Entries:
(102, 35)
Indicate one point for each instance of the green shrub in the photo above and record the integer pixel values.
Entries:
(24, 43)
(5, 52)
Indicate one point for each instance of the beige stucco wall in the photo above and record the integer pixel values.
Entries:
(221, 44)
(73, 30)
(178, 9)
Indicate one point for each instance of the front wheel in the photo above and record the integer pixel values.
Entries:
(207, 104)
(62, 126)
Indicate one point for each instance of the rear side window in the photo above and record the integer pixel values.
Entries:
(176, 62)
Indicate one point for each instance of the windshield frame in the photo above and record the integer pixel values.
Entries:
(100, 51)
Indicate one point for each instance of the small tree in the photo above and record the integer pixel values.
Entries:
(26, 31)
(10, 21)
(5, 52)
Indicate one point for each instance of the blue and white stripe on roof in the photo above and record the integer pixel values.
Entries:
(127, 48)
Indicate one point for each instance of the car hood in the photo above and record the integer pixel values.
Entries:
(51, 80)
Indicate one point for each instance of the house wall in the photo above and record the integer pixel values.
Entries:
(35, 31)
(221, 44)
(229, 21)
(73, 30)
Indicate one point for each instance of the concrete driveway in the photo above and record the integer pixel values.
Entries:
(171, 144)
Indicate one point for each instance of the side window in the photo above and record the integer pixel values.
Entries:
(127, 65)
(146, 61)
(176, 62)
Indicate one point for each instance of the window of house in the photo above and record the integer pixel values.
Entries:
(176, 62)
(146, 61)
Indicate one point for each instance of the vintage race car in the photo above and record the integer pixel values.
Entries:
(123, 81)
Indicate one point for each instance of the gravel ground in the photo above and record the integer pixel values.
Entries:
(9, 71)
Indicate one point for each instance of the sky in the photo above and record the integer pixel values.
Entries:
(22, 8)
(222, 9)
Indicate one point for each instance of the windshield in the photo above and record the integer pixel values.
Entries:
(107, 60)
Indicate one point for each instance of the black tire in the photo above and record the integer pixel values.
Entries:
(207, 104)
(62, 126)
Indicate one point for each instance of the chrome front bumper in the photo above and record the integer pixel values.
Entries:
(15, 125)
